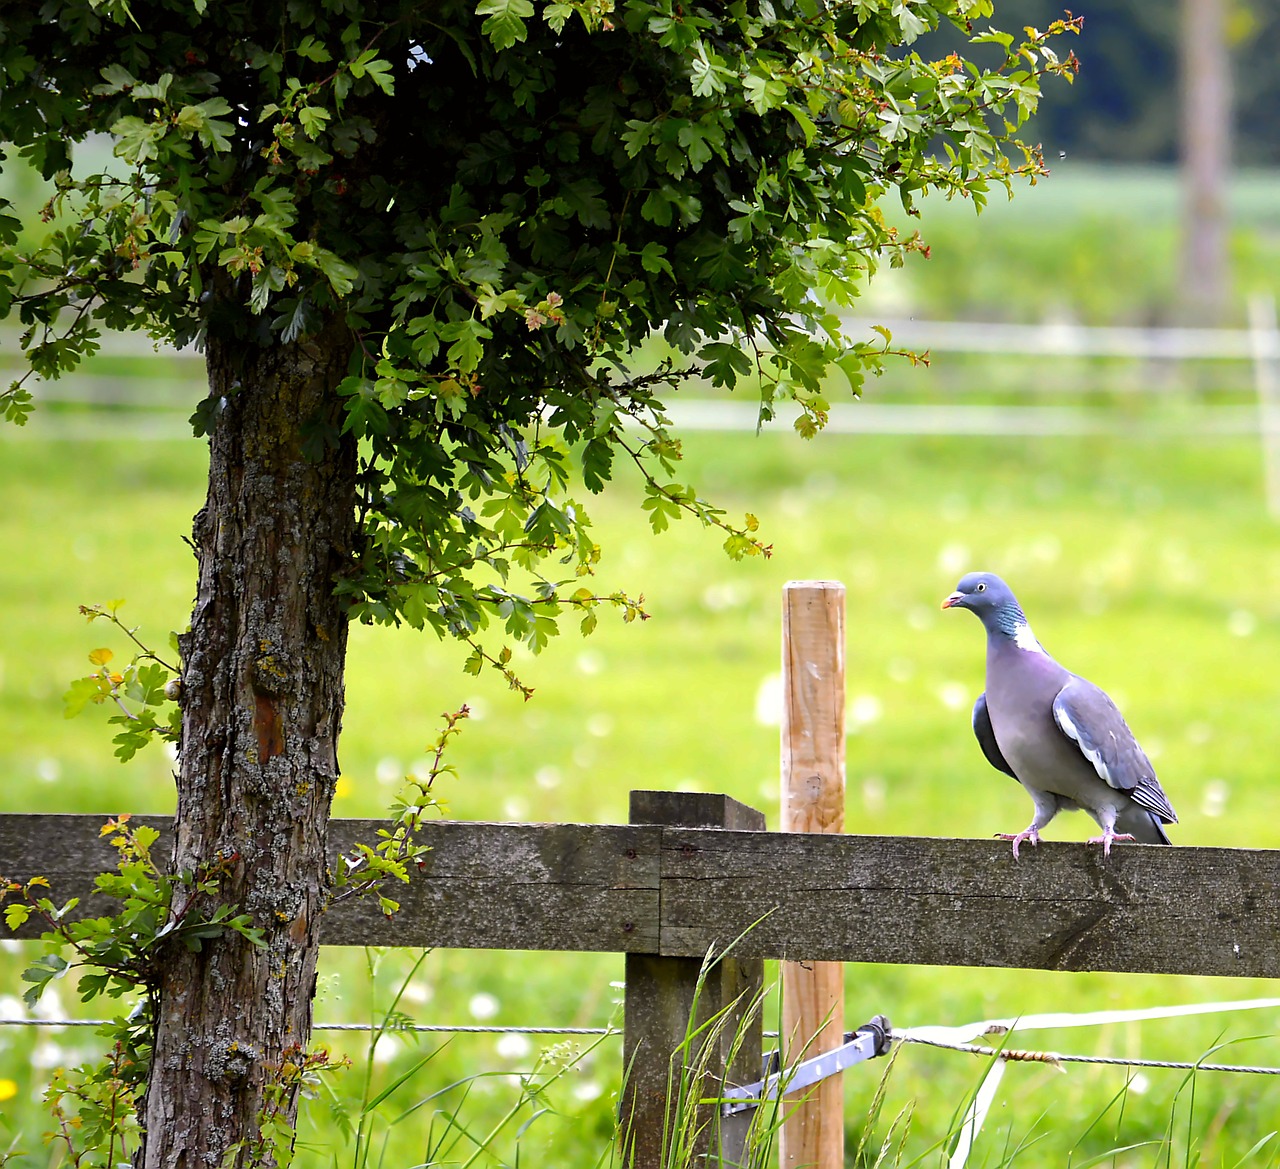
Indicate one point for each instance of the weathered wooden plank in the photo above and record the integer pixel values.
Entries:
(968, 903)
(1173, 910)
(662, 994)
(583, 887)
(482, 886)
(70, 851)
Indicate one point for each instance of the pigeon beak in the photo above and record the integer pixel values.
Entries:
(953, 600)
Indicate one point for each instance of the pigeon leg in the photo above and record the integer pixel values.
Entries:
(1046, 808)
(1031, 833)
(1108, 835)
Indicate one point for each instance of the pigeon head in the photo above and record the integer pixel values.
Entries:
(986, 595)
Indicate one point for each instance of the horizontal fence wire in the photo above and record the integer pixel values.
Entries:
(440, 1028)
(447, 1028)
(470, 1029)
(1014, 1055)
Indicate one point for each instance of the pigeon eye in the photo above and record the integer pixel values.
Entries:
(982, 586)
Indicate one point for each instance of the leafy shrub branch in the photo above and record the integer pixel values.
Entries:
(116, 956)
(421, 246)
(598, 174)
(144, 692)
(367, 871)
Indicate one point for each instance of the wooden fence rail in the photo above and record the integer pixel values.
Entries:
(677, 892)
(667, 889)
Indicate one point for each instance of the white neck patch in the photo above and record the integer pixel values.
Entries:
(1023, 638)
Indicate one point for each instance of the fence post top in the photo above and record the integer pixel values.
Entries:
(814, 585)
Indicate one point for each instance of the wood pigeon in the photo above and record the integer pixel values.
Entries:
(1058, 735)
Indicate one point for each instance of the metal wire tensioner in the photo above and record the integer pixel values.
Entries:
(868, 1041)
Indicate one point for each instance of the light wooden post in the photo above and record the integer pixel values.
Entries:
(1205, 68)
(1265, 342)
(813, 801)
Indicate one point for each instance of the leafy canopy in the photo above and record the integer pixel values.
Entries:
(501, 201)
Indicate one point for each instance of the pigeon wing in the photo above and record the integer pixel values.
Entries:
(1088, 717)
(986, 737)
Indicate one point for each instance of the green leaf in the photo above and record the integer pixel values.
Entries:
(805, 123)
(214, 132)
(708, 72)
(17, 404)
(506, 21)
(657, 208)
(313, 50)
(117, 79)
(16, 915)
(341, 275)
(130, 741)
(365, 414)
(662, 506)
(583, 198)
(391, 391)
(296, 319)
(764, 93)
(468, 338)
(40, 973)
(313, 119)
(144, 837)
(653, 258)
(854, 368)
(557, 15)
(380, 73)
(80, 693)
(136, 140)
(993, 37)
(597, 464)
(725, 363)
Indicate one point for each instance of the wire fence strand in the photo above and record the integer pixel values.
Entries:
(447, 1028)
(1013, 1055)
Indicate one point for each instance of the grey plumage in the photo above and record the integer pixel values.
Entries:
(1057, 734)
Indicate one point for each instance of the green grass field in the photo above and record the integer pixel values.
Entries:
(1149, 566)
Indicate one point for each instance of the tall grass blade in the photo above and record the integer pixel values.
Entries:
(977, 1113)
(1257, 1148)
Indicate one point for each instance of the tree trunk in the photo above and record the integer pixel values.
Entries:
(262, 699)
(1206, 162)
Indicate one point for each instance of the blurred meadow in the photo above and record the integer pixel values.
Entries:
(1143, 555)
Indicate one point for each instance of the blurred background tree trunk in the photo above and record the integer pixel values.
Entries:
(1206, 162)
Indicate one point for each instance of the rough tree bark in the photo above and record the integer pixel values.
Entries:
(262, 700)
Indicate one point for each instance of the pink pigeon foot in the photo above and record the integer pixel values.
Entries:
(1108, 835)
(1031, 834)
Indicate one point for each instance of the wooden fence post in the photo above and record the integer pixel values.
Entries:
(813, 801)
(659, 998)
(1264, 341)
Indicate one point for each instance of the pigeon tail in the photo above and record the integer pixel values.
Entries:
(1144, 826)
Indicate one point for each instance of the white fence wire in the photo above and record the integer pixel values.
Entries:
(946, 1037)
(155, 407)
